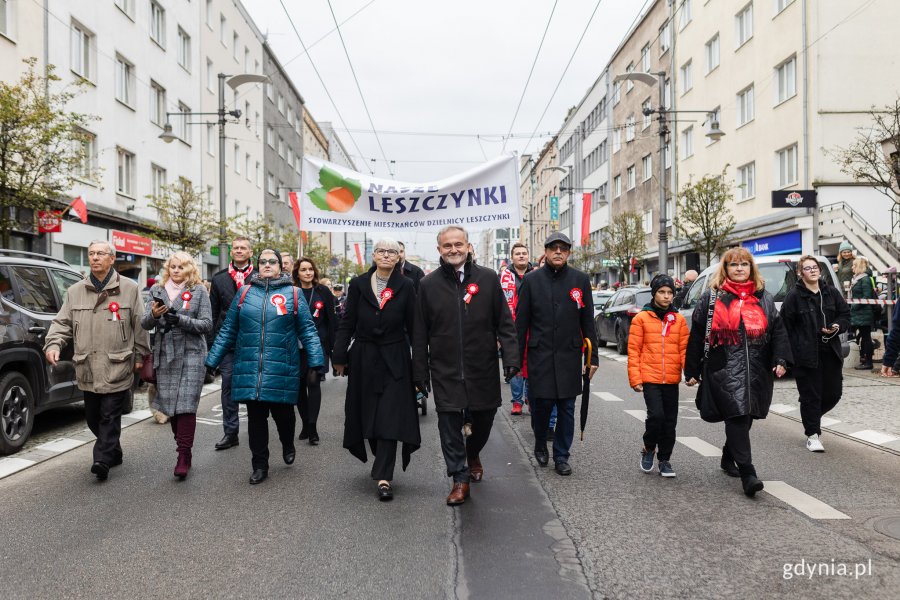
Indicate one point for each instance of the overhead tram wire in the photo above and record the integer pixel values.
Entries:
(359, 88)
(322, 81)
(530, 73)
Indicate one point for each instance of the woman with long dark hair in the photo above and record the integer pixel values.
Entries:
(320, 301)
(737, 343)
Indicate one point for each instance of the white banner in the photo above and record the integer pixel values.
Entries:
(338, 199)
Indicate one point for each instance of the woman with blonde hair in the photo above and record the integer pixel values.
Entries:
(180, 313)
(737, 343)
(862, 316)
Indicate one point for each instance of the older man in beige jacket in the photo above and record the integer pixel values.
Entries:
(101, 317)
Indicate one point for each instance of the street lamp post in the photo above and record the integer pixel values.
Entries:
(659, 78)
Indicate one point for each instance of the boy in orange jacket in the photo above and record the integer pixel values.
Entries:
(656, 345)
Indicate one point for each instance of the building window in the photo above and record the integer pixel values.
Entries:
(270, 184)
(127, 7)
(282, 191)
(210, 75)
(290, 157)
(157, 23)
(157, 103)
(646, 109)
(647, 221)
(235, 42)
(667, 155)
(684, 15)
(629, 128)
(247, 167)
(184, 130)
(184, 49)
(780, 5)
(617, 92)
(210, 140)
(687, 76)
(258, 172)
(629, 84)
(280, 146)
(647, 167)
(124, 172)
(270, 92)
(256, 123)
(280, 103)
(711, 52)
(157, 181)
(83, 50)
(617, 140)
(687, 142)
(223, 26)
(786, 76)
(743, 23)
(290, 116)
(124, 80)
(270, 136)
(745, 106)
(630, 176)
(786, 165)
(209, 13)
(617, 186)
(746, 180)
(87, 148)
(645, 58)
(665, 37)
(246, 59)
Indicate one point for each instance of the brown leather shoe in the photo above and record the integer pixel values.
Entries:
(476, 471)
(458, 494)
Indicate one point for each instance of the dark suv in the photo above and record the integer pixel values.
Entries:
(32, 288)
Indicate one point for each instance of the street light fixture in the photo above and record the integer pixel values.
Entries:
(659, 78)
(168, 136)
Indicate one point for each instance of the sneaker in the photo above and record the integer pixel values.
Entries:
(517, 408)
(665, 469)
(646, 461)
(813, 444)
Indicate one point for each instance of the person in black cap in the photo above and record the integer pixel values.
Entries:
(555, 312)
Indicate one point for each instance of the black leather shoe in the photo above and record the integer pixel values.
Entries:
(101, 470)
(385, 492)
(228, 441)
(542, 456)
(289, 454)
(304, 433)
(259, 475)
(563, 468)
(313, 438)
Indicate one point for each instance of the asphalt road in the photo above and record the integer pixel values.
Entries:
(316, 530)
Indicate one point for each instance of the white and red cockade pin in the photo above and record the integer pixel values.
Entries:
(318, 306)
(575, 294)
(471, 290)
(386, 294)
(279, 301)
(186, 297)
(670, 318)
(114, 309)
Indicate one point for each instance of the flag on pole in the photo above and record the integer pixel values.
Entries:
(79, 208)
(359, 258)
(295, 206)
(585, 218)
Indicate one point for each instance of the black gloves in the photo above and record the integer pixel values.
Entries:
(509, 373)
(171, 318)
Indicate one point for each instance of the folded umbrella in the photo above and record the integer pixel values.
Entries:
(586, 389)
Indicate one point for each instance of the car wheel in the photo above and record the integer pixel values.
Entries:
(600, 342)
(16, 412)
(621, 341)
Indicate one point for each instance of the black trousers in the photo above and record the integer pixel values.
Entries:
(385, 452)
(456, 447)
(866, 348)
(258, 429)
(737, 438)
(103, 413)
(309, 402)
(662, 416)
(820, 389)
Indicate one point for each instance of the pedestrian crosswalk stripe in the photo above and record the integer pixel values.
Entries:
(206, 421)
(699, 446)
(828, 422)
(621, 359)
(640, 415)
(811, 507)
(782, 408)
(609, 397)
(138, 415)
(61, 445)
(875, 437)
(8, 466)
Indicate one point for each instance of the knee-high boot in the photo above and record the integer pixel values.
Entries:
(184, 427)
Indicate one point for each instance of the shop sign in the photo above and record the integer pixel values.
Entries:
(781, 243)
(49, 221)
(794, 198)
(130, 243)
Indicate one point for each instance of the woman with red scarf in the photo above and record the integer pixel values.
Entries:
(736, 348)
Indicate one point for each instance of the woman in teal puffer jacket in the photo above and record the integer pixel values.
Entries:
(861, 315)
(265, 326)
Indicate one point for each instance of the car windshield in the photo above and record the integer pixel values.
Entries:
(643, 298)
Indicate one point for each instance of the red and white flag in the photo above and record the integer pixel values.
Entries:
(79, 208)
(295, 206)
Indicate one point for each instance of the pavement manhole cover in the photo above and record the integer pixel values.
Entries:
(889, 526)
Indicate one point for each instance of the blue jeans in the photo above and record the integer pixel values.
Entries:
(230, 421)
(519, 387)
(565, 425)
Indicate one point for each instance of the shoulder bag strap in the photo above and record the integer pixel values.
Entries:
(713, 296)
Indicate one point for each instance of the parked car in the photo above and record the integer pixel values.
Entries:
(601, 297)
(32, 289)
(614, 321)
(780, 275)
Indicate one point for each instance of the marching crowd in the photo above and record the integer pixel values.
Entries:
(275, 328)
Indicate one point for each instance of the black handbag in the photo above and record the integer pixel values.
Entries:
(709, 412)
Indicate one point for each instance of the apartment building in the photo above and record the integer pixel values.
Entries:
(539, 194)
(18, 21)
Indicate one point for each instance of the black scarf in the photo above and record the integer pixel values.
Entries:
(99, 285)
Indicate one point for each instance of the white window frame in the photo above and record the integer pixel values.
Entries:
(687, 142)
(712, 53)
(746, 106)
(157, 104)
(270, 136)
(645, 58)
(647, 118)
(211, 140)
(665, 37)
(647, 167)
(209, 14)
(687, 76)
(83, 51)
(780, 5)
(184, 130)
(210, 75)
(617, 140)
(158, 180)
(617, 92)
(237, 159)
(629, 84)
(158, 23)
(258, 175)
(235, 44)
(746, 182)
(617, 186)
(786, 80)
(743, 25)
(124, 79)
(127, 7)
(629, 128)
(270, 184)
(685, 15)
(125, 163)
(223, 25)
(786, 166)
(247, 170)
(631, 177)
(647, 221)
(88, 149)
(184, 49)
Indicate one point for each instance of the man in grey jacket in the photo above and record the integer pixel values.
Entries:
(101, 317)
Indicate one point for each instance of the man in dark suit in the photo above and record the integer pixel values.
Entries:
(411, 271)
(554, 314)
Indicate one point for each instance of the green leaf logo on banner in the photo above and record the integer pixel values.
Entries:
(337, 193)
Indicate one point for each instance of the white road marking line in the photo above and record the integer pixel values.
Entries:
(8, 466)
(811, 507)
(782, 408)
(61, 445)
(209, 421)
(828, 422)
(699, 446)
(138, 415)
(621, 359)
(640, 415)
(875, 437)
(609, 397)
(211, 387)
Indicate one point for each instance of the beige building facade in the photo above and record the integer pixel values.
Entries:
(540, 182)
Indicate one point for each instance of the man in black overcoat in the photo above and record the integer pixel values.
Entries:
(554, 314)
(462, 315)
(410, 271)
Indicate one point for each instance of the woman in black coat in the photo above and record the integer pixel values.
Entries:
(381, 402)
(747, 343)
(321, 306)
(814, 314)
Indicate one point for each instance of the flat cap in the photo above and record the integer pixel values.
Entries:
(558, 237)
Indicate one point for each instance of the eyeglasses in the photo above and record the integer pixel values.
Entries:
(386, 252)
(268, 261)
(97, 253)
(810, 269)
(743, 265)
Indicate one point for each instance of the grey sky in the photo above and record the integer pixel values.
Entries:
(429, 67)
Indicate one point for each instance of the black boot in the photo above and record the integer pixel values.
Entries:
(728, 464)
(748, 477)
(304, 433)
(865, 364)
(313, 435)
